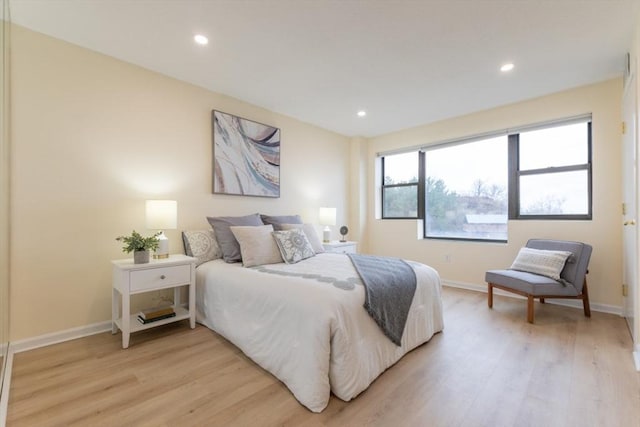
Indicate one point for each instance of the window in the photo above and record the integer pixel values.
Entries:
(466, 190)
(551, 177)
(400, 195)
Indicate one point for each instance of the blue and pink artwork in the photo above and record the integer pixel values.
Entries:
(246, 157)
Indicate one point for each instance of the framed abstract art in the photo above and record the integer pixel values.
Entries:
(246, 157)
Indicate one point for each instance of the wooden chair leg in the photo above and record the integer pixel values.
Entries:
(542, 300)
(585, 299)
(490, 296)
(530, 308)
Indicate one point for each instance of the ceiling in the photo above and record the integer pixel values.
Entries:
(406, 62)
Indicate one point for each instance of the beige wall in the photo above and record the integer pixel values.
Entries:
(470, 260)
(94, 138)
(633, 304)
(5, 162)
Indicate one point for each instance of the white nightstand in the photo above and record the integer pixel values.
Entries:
(130, 279)
(341, 247)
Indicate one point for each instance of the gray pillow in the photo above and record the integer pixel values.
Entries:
(278, 220)
(294, 245)
(226, 240)
(202, 245)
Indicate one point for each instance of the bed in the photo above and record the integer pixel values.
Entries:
(305, 322)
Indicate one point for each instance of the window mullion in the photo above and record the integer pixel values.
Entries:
(514, 177)
(421, 186)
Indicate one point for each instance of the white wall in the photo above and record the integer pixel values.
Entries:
(93, 138)
(470, 260)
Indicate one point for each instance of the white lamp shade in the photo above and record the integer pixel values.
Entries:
(327, 216)
(162, 214)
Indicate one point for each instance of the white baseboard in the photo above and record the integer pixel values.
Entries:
(636, 357)
(602, 308)
(58, 337)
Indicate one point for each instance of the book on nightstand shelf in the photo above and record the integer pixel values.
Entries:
(155, 319)
(152, 313)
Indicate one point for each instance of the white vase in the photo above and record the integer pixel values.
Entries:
(141, 257)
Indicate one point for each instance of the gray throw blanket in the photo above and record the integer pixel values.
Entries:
(389, 284)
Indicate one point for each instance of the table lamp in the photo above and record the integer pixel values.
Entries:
(327, 217)
(162, 215)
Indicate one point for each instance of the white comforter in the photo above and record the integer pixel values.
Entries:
(305, 322)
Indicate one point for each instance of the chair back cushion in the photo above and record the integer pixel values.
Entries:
(575, 268)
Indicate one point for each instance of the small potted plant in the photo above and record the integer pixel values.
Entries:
(140, 246)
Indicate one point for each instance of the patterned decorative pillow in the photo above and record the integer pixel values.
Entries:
(201, 244)
(257, 245)
(294, 245)
(541, 262)
(310, 232)
(226, 240)
(278, 220)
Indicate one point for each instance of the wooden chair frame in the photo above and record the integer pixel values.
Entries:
(584, 296)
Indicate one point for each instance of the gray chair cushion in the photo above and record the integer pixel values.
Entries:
(529, 283)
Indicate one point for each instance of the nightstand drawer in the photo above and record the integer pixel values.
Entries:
(341, 247)
(156, 278)
(350, 249)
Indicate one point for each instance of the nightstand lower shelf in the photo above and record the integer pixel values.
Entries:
(135, 325)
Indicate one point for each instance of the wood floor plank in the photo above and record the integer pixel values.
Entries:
(489, 367)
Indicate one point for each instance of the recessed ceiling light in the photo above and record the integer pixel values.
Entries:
(200, 39)
(362, 113)
(507, 67)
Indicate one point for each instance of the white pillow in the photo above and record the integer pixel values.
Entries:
(542, 262)
(202, 245)
(257, 245)
(310, 232)
(294, 245)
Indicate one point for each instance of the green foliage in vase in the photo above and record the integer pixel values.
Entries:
(136, 242)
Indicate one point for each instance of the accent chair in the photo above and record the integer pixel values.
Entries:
(530, 274)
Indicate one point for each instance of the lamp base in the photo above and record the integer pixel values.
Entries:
(163, 248)
(326, 235)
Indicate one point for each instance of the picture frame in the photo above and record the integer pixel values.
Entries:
(246, 156)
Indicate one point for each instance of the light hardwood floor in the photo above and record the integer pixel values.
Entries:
(488, 368)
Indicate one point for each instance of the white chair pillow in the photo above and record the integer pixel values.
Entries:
(541, 262)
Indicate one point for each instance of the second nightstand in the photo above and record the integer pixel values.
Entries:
(130, 279)
(341, 247)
